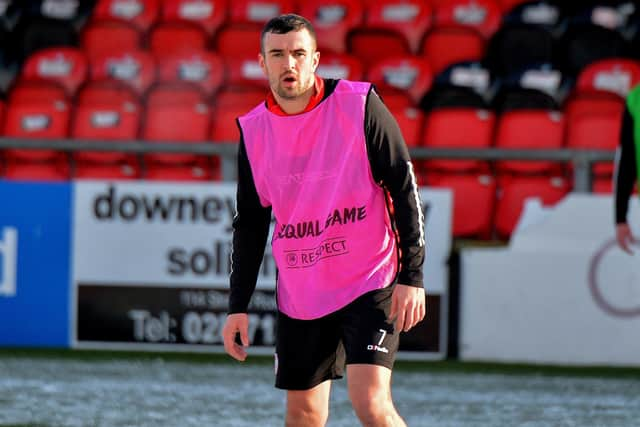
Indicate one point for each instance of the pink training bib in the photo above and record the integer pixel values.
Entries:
(333, 239)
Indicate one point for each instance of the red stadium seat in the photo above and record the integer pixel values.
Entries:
(602, 184)
(483, 16)
(167, 39)
(474, 198)
(514, 190)
(105, 111)
(238, 41)
(332, 21)
(135, 68)
(204, 69)
(411, 121)
(123, 170)
(110, 37)
(199, 171)
(405, 73)
(508, 5)
(340, 66)
(445, 46)
(600, 131)
(208, 14)
(616, 75)
(65, 66)
(175, 113)
(409, 18)
(458, 128)
(36, 110)
(529, 129)
(371, 45)
(140, 13)
(258, 12)
(245, 71)
(56, 169)
(229, 105)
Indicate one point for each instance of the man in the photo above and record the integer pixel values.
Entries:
(328, 159)
(626, 170)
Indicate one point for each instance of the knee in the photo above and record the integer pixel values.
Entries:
(303, 415)
(373, 409)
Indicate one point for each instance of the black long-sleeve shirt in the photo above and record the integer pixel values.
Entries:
(392, 170)
(625, 168)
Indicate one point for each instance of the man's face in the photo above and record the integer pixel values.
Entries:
(289, 61)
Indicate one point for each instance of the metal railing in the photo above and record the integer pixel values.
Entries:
(581, 160)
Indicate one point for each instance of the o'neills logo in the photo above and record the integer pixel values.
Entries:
(303, 258)
(316, 227)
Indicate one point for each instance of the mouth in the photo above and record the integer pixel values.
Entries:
(289, 80)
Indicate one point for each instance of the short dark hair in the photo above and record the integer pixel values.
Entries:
(285, 23)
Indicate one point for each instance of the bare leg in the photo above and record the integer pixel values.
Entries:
(370, 394)
(308, 408)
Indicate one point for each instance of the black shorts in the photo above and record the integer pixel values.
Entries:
(309, 352)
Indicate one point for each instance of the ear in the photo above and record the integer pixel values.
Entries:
(315, 60)
(263, 66)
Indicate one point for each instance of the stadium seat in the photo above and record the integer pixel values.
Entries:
(199, 171)
(458, 128)
(36, 110)
(508, 5)
(530, 129)
(258, 12)
(411, 122)
(372, 45)
(110, 37)
(204, 68)
(42, 25)
(602, 184)
(513, 98)
(517, 46)
(409, 74)
(228, 105)
(340, 66)
(207, 14)
(513, 190)
(437, 47)
(583, 44)
(238, 41)
(122, 170)
(474, 199)
(136, 68)
(167, 39)
(175, 112)
(55, 169)
(595, 131)
(401, 22)
(245, 71)
(140, 13)
(616, 75)
(64, 66)
(484, 16)
(106, 110)
(332, 21)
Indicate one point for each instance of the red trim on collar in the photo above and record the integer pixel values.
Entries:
(318, 94)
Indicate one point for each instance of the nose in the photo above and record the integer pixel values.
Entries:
(291, 62)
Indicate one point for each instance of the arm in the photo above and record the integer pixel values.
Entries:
(624, 178)
(391, 167)
(250, 233)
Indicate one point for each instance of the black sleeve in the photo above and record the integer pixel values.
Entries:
(392, 169)
(250, 232)
(625, 170)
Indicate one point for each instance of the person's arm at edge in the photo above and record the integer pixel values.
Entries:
(392, 169)
(250, 232)
(624, 179)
